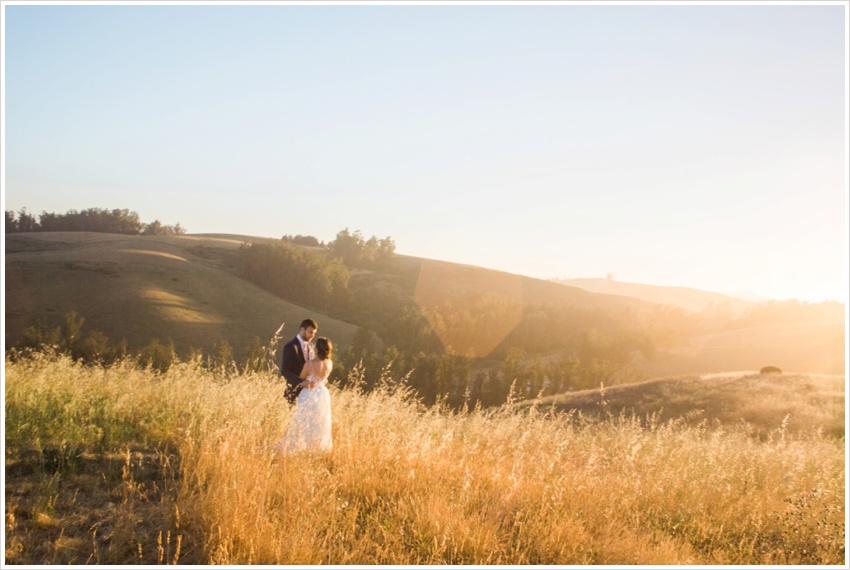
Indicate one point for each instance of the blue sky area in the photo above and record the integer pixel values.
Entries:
(690, 145)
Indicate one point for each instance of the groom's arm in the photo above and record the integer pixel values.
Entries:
(289, 363)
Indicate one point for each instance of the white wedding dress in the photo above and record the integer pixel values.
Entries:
(310, 427)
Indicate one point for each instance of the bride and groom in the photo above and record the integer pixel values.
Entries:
(306, 367)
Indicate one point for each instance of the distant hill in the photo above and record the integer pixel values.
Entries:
(693, 300)
(816, 347)
(793, 347)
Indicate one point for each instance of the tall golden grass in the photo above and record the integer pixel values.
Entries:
(122, 465)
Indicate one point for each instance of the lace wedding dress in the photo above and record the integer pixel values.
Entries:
(310, 427)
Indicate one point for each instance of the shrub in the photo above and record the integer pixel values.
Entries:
(157, 355)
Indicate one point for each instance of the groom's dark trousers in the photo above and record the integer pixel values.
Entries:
(290, 368)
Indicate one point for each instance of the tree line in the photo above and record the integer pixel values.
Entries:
(89, 220)
(310, 278)
(95, 348)
(357, 252)
(303, 270)
(553, 349)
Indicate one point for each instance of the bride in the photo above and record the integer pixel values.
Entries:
(310, 427)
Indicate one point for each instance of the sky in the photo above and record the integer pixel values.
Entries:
(686, 145)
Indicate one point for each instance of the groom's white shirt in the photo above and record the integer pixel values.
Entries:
(304, 344)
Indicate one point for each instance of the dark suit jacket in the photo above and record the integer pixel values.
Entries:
(290, 368)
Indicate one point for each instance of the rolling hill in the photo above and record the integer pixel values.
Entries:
(144, 287)
(185, 288)
(800, 347)
(687, 298)
(816, 347)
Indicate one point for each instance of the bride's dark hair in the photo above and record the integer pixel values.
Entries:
(324, 347)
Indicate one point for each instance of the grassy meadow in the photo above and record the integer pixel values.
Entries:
(122, 465)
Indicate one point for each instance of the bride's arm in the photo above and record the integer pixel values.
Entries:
(305, 371)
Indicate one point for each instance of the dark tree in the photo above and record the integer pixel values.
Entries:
(11, 222)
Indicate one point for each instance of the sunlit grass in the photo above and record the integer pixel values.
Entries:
(122, 465)
(178, 308)
(764, 402)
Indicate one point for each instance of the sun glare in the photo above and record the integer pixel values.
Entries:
(471, 311)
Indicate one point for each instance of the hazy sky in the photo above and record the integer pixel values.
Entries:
(691, 145)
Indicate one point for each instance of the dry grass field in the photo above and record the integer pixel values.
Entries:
(144, 287)
(798, 402)
(125, 466)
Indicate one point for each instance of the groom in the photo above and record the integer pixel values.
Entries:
(295, 353)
